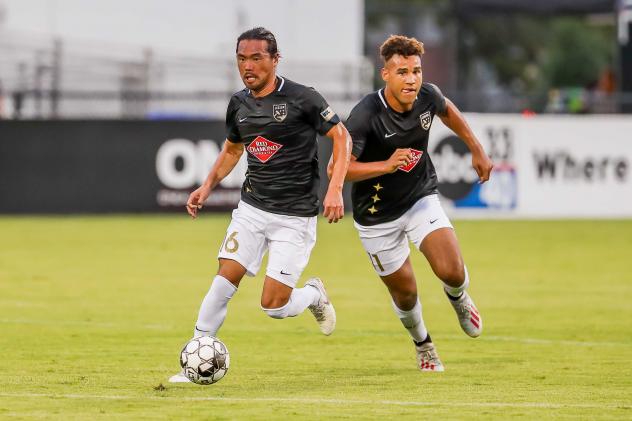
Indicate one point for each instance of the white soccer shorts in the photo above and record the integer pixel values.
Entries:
(289, 239)
(386, 243)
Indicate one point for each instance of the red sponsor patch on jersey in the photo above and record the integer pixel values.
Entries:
(413, 163)
(263, 148)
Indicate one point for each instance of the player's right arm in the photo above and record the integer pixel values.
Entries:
(227, 160)
(359, 171)
(358, 127)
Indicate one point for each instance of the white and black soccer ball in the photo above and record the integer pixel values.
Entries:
(205, 360)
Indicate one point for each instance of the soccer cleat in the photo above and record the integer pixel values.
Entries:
(323, 311)
(179, 378)
(469, 317)
(427, 358)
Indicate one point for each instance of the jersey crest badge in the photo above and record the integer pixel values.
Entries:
(263, 149)
(413, 163)
(279, 111)
(426, 120)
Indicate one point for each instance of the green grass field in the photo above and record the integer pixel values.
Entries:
(94, 311)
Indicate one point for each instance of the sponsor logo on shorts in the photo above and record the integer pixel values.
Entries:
(279, 111)
(263, 149)
(413, 162)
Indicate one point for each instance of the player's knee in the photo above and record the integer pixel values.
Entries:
(405, 300)
(273, 300)
(452, 273)
(276, 313)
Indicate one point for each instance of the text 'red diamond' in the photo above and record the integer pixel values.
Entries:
(263, 148)
(413, 162)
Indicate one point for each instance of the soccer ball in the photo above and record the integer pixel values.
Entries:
(204, 360)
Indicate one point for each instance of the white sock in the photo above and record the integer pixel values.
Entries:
(412, 321)
(214, 307)
(457, 291)
(300, 299)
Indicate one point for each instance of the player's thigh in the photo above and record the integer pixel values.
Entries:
(423, 218)
(245, 241)
(290, 242)
(385, 245)
(430, 230)
(442, 251)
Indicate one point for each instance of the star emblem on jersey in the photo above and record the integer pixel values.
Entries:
(263, 149)
(372, 210)
(279, 111)
(426, 120)
(375, 198)
(377, 187)
(413, 162)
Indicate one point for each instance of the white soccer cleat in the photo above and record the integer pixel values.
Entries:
(427, 358)
(179, 378)
(323, 311)
(469, 317)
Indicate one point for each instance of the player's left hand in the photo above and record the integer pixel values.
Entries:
(334, 207)
(483, 166)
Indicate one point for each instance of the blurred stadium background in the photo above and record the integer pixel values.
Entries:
(117, 107)
(83, 82)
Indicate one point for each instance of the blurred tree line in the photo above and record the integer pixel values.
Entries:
(523, 54)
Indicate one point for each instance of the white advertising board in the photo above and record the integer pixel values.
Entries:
(545, 167)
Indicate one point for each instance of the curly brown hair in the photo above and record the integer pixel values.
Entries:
(404, 46)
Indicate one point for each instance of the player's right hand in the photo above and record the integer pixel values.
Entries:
(333, 205)
(196, 200)
(401, 156)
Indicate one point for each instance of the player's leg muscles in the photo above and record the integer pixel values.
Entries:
(402, 286)
(442, 251)
(280, 301)
(275, 294)
(231, 270)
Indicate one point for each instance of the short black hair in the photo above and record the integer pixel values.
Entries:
(404, 46)
(262, 34)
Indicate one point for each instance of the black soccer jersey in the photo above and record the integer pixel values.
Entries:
(377, 131)
(279, 132)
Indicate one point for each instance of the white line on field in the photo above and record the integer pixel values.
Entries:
(538, 341)
(158, 326)
(84, 323)
(324, 401)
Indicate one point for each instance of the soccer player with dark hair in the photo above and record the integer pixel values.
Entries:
(394, 193)
(276, 121)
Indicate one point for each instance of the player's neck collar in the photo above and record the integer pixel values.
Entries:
(382, 94)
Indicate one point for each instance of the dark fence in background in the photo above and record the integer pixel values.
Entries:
(113, 166)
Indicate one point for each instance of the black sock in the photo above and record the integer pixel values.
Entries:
(454, 298)
(425, 341)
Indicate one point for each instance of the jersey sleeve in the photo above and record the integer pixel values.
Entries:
(437, 98)
(319, 113)
(358, 125)
(232, 132)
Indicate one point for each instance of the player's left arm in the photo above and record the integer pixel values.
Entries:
(333, 204)
(454, 120)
